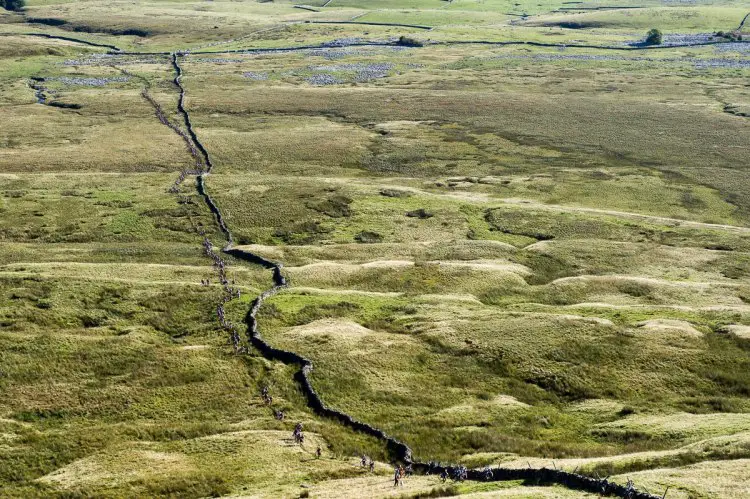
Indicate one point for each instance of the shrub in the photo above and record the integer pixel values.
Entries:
(729, 36)
(407, 41)
(653, 37)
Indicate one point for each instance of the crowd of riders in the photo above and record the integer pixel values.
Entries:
(400, 472)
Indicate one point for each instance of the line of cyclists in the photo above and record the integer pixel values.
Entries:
(457, 474)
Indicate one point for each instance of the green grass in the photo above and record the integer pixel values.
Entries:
(528, 356)
(692, 19)
(501, 255)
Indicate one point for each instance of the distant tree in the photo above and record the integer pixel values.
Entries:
(408, 41)
(730, 36)
(653, 37)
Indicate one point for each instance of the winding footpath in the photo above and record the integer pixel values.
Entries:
(397, 449)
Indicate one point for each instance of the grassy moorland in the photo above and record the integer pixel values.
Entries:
(502, 254)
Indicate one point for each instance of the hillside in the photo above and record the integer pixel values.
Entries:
(499, 234)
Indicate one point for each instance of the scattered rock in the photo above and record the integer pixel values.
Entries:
(257, 76)
(89, 82)
(323, 79)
